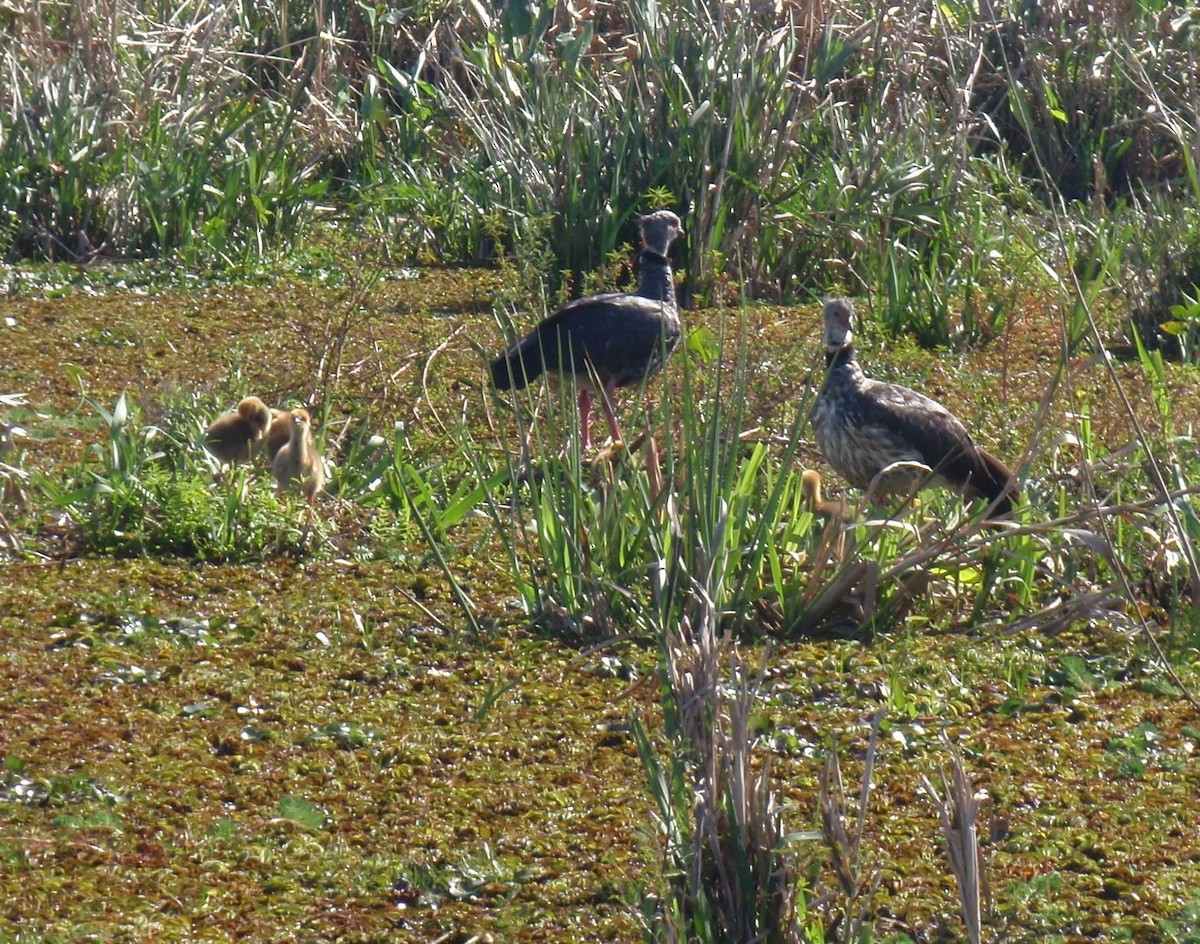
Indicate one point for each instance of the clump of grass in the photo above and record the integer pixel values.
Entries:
(590, 536)
(544, 106)
(122, 148)
(140, 492)
(727, 872)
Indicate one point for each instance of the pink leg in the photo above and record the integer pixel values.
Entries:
(585, 418)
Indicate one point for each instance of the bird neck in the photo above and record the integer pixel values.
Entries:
(840, 356)
(655, 279)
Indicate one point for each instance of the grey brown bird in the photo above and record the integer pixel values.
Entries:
(235, 437)
(605, 341)
(863, 426)
(298, 464)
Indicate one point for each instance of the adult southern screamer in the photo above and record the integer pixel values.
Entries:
(863, 426)
(605, 341)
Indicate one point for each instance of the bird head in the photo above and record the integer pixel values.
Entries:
(810, 489)
(300, 425)
(839, 314)
(659, 230)
(254, 412)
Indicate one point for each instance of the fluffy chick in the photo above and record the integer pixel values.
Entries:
(278, 433)
(298, 464)
(235, 436)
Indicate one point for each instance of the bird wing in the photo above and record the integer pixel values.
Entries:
(943, 443)
(618, 335)
(928, 427)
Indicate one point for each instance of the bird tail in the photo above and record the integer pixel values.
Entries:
(521, 363)
(993, 481)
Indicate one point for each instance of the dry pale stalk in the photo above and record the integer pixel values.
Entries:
(958, 810)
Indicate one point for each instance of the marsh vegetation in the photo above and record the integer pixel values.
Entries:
(499, 686)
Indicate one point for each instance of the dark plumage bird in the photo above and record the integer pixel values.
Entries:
(235, 437)
(605, 341)
(863, 426)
